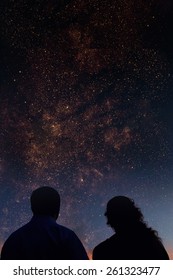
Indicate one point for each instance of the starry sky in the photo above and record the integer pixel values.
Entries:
(86, 107)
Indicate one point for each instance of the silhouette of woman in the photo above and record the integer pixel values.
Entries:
(133, 239)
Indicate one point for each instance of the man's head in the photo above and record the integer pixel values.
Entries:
(45, 201)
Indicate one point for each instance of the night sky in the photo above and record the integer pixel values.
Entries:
(86, 107)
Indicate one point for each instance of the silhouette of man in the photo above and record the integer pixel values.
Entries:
(133, 239)
(42, 238)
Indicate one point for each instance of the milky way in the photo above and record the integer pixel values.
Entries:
(85, 107)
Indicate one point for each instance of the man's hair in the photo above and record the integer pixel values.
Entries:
(45, 201)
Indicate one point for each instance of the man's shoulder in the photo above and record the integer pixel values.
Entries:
(17, 233)
(65, 231)
(12, 242)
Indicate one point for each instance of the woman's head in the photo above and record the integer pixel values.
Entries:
(121, 212)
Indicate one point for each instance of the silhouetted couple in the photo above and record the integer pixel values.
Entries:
(42, 238)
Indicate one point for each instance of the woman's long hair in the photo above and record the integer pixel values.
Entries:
(122, 213)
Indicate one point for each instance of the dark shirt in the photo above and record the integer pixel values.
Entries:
(135, 247)
(43, 239)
